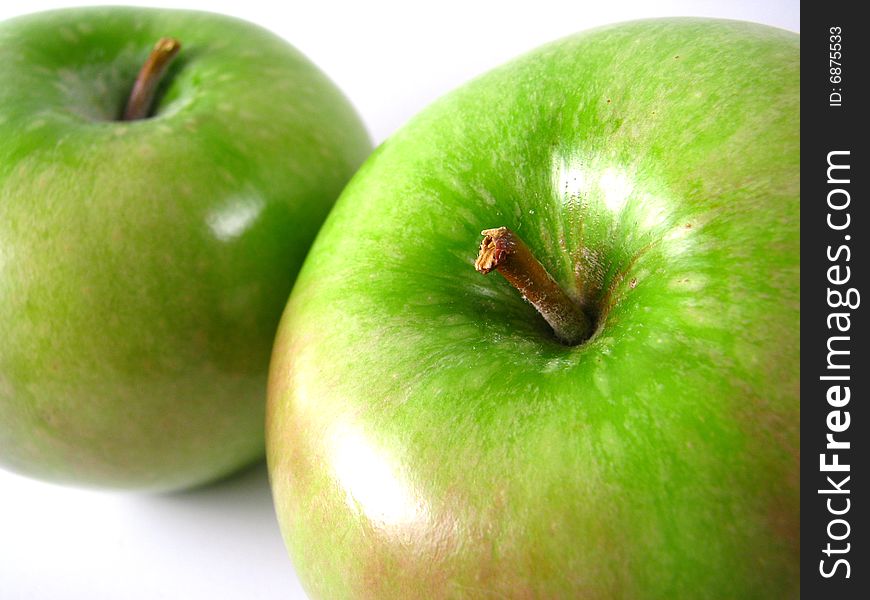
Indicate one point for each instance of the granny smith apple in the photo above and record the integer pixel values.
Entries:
(430, 435)
(145, 262)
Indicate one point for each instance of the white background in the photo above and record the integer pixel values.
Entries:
(222, 541)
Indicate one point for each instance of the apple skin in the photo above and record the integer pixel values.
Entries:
(427, 436)
(144, 265)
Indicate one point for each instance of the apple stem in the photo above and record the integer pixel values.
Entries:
(142, 95)
(504, 251)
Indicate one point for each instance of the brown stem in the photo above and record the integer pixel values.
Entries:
(504, 251)
(142, 95)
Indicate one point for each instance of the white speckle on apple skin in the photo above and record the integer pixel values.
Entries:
(186, 190)
(704, 316)
(602, 382)
(246, 115)
(68, 34)
(655, 212)
(689, 282)
(227, 176)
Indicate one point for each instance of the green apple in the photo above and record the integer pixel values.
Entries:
(144, 263)
(427, 433)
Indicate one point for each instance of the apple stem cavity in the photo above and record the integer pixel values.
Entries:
(503, 250)
(142, 95)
